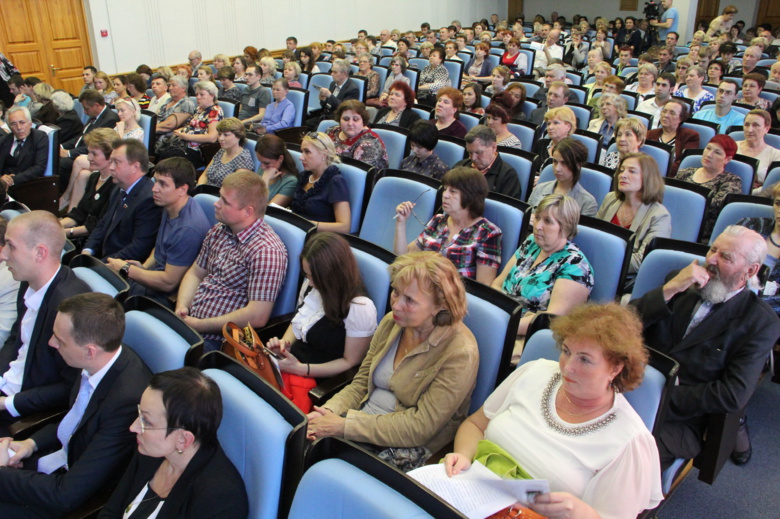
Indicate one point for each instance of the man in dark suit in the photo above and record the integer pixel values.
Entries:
(87, 451)
(25, 152)
(33, 377)
(557, 95)
(128, 230)
(341, 89)
(100, 116)
(721, 333)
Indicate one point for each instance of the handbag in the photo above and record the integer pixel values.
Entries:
(246, 347)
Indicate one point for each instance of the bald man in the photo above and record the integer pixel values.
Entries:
(34, 376)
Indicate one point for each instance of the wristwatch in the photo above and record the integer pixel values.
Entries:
(124, 272)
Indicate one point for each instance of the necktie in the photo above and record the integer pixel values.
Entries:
(51, 462)
(18, 148)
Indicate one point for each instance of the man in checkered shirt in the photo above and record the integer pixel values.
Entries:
(240, 267)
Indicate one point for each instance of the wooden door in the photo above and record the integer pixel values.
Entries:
(47, 39)
(515, 9)
(707, 10)
(769, 12)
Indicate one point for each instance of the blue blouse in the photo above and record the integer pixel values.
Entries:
(316, 204)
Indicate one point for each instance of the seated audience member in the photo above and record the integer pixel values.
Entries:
(128, 228)
(423, 138)
(594, 58)
(398, 112)
(160, 90)
(713, 175)
(554, 72)
(653, 106)
(644, 87)
(549, 51)
(16, 87)
(451, 51)
(730, 320)
(499, 78)
(277, 168)
(175, 113)
(483, 156)
(673, 114)
(514, 60)
(255, 98)
(182, 229)
(322, 194)
(433, 78)
(397, 69)
(67, 120)
(281, 113)
(752, 85)
(623, 61)
(558, 124)
(497, 119)
(636, 204)
(613, 108)
(585, 438)
(9, 289)
(722, 113)
(240, 64)
(219, 61)
(694, 79)
(478, 67)
(91, 200)
(129, 114)
(335, 321)
(715, 72)
(34, 377)
(354, 139)
(136, 89)
(756, 126)
(575, 51)
(548, 273)
(461, 232)
(630, 135)
(610, 85)
(341, 89)
(105, 88)
(600, 71)
(267, 70)
(749, 62)
(200, 129)
(768, 228)
(472, 99)
(100, 116)
(66, 464)
(308, 62)
(24, 153)
(176, 429)
(557, 96)
(46, 114)
(231, 156)
(448, 103)
(389, 416)
(365, 69)
(225, 76)
(241, 265)
(292, 73)
(516, 99)
(568, 156)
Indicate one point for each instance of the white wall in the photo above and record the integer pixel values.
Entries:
(163, 32)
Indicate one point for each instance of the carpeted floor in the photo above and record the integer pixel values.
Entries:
(748, 492)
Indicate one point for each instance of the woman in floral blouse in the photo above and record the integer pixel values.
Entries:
(354, 139)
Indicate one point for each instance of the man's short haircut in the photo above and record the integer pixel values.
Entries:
(293, 39)
(91, 69)
(560, 84)
(178, 169)
(676, 34)
(135, 151)
(3, 221)
(560, 70)
(92, 97)
(728, 48)
(249, 189)
(31, 81)
(342, 66)
(669, 77)
(683, 107)
(96, 318)
(481, 132)
(731, 82)
(23, 109)
(226, 72)
(144, 69)
(16, 80)
(39, 229)
(424, 134)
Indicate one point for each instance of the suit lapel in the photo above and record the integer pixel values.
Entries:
(716, 323)
(116, 204)
(101, 391)
(35, 337)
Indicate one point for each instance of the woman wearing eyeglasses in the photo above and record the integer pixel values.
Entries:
(460, 232)
(179, 469)
(397, 69)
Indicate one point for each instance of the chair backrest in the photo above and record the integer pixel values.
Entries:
(661, 153)
(300, 100)
(450, 150)
(582, 113)
(419, 63)
(733, 212)
(580, 92)
(469, 120)
(148, 122)
(597, 181)
(206, 203)
(645, 118)
(512, 217)
(608, 249)
(249, 145)
(362, 84)
(292, 230)
(742, 166)
(455, 70)
(665, 256)
(12, 209)
(524, 131)
(229, 107)
(53, 160)
(592, 141)
(325, 124)
(99, 277)
(358, 176)
(423, 111)
(631, 99)
(414, 77)
(383, 72)
(253, 409)
(772, 175)
(392, 189)
(157, 335)
(80, 110)
(384, 61)
(394, 139)
(373, 262)
(522, 162)
(493, 318)
(317, 81)
(531, 87)
(575, 77)
(705, 129)
(324, 66)
(687, 203)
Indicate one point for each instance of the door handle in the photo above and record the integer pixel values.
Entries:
(53, 70)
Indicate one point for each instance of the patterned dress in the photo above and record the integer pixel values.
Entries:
(199, 123)
(366, 147)
(532, 286)
(478, 244)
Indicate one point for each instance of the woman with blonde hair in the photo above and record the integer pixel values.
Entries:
(561, 123)
(103, 84)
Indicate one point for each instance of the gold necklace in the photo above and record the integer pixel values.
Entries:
(566, 396)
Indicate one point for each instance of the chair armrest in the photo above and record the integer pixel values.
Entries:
(326, 389)
(275, 327)
(27, 425)
(719, 443)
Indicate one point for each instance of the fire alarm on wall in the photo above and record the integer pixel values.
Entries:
(104, 33)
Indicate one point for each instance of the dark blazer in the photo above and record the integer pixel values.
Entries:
(349, 91)
(483, 72)
(100, 446)
(537, 115)
(47, 379)
(131, 235)
(76, 145)
(210, 487)
(501, 177)
(408, 117)
(720, 360)
(70, 125)
(32, 160)
(684, 140)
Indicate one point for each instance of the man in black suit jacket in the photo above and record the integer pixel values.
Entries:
(557, 95)
(33, 377)
(341, 89)
(25, 152)
(88, 450)
(720, 332)
(100, 116)
(129, 227)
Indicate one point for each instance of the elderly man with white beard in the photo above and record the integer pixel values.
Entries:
(707, 318)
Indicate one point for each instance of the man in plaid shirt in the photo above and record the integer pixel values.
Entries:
(240, 267)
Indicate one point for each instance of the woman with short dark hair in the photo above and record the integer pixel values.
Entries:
(422, 139)
(353, 138)
(398, 111)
